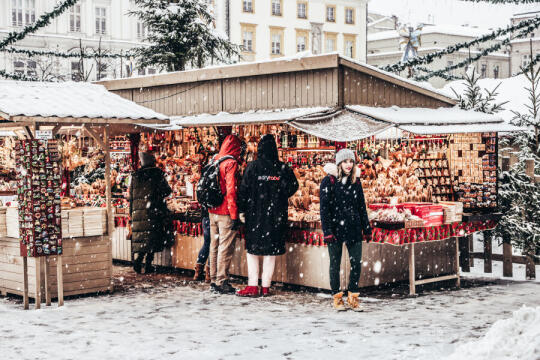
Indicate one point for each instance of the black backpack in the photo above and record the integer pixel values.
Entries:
(209, 192)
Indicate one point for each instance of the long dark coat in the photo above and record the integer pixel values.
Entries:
(151, 222)
(263, 197)
(343, 209)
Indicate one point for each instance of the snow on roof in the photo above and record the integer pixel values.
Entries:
(434, 29)
(68, 99)
(424, 116)
(249, 117)
(460, 129)
(511, 89)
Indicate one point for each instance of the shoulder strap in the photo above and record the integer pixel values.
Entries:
(225, 158)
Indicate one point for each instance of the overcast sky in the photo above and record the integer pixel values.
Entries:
(453, 12)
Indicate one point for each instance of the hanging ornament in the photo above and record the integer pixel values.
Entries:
(410, 41)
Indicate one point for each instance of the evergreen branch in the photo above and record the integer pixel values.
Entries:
(64, 55)
(18, 77)
(43, 21)
(429, 58)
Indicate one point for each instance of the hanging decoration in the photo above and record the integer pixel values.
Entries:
(410, 41)
(20, 77)
(63, 54)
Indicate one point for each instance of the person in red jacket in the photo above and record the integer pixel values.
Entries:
(224, 222)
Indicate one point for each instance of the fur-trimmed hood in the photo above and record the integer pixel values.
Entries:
(332, 169)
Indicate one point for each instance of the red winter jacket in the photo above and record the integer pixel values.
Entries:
(228, 170)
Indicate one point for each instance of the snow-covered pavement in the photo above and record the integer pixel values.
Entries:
(176, 321)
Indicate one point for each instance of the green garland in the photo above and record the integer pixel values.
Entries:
(21, 77)
(63, 55)
(445, 76)
(43, 20)
(533, 63)
(428, 58)
(444, 72)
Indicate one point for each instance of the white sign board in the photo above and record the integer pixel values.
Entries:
(44, 134)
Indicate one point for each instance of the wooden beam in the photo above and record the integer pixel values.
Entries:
(60, 280)
(25, 283)
(412, 271)
(437, 279)
(108, 191)
(37, 297)
(225, 72)
(396, 80)
(464, 254)
(96, 137)
(456, 267)
(88, 121)
(47, 282)
(28, 132)
(488, 253)
(56, 129)
(513, 259)
(507, 257)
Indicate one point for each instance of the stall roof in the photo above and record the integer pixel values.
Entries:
(48, 102)
(249, 117)
(425, 116)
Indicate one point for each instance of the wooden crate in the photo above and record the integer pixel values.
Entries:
(87, 267)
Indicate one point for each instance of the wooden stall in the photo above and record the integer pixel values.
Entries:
(29, 109)
(320, 100)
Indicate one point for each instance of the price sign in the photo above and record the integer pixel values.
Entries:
(44, 134)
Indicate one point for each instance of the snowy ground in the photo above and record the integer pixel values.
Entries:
(165, 317)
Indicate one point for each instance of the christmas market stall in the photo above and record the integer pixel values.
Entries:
(429, 170)
(43, 226)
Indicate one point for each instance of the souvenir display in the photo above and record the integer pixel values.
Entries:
(39, 197)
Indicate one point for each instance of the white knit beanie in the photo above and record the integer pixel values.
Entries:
(344, 154)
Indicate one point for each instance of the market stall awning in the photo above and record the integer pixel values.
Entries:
(246, 118)
(341, 125)
(70, 102)
(462, 128)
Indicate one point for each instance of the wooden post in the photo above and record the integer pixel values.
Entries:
(110, 219)
(458, 279)
(470, 238)
(38, 282)
(507, 258)
(487, 252)
(412, 271)
(60, 280)
(25, 282)
(47, 282)
(464, 253)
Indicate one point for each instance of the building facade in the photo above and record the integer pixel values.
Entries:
(384, 49)
(276, 28)
(523, 49)
(94, 24)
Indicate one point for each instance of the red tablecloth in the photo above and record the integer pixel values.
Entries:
(442, 232)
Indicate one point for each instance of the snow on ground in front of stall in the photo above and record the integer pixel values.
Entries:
(515, 338)
(175, 319)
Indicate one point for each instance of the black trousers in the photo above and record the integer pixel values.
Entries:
(335, 250)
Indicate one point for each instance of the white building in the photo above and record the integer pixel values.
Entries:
(522, 49)
(384, 49)
(89, 21)
(274, 28)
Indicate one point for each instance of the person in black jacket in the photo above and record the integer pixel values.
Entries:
(344, 220)
(263, 198)
(150, 218)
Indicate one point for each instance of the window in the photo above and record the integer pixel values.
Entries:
(448, 64)
(31, 68)
(151, 71)
(76, 71)
(525, 60)
(247, 6)
(141, 72)
(496, 72)
(331, 13)
(18, 67)
(301, 10)
(101, 20)
(349, 16)
(248, 37)
(141, 31)
(23, 12)
(276, 40)
(276, 7)
(483, 70)
(330, 42)
(28, 68)
(302, 39)
(350, 45)
(75, 18)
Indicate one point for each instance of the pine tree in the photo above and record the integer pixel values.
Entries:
(519, 196)
(181, 34)
(473, 97)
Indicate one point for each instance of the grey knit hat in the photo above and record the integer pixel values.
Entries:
(344, 154)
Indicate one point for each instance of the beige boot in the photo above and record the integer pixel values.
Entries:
(353, 302)
(199, 272)
(339, 305)
(207, 274)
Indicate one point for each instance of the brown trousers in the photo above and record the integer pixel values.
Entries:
(221, 247)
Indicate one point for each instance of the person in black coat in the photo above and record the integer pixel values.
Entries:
(150, 217)
(344, 220)
(263, 198)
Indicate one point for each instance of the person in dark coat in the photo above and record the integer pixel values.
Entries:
(263, 198)
(150, 218)
(344, 220)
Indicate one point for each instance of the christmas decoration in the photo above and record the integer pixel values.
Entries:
(63, 54)
(20, 77)
(410, 41)
(181, 34)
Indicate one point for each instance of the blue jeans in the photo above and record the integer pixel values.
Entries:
(205, 250)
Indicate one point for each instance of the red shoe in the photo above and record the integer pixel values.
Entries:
(265, 291)
(249, 291)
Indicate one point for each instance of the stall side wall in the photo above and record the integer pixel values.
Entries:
(286, 90)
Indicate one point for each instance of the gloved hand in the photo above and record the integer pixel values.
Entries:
(329, 238)
(236, 224)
